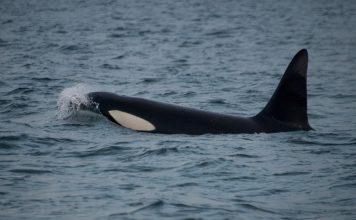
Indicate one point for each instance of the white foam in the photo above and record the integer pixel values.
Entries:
(71, 99)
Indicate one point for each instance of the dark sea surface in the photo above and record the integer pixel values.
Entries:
(222, 56)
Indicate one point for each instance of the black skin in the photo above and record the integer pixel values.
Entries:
(286, 111)
(173, 119)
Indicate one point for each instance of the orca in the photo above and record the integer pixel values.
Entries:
(285, 111)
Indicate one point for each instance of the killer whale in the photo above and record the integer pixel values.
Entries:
(285, 111)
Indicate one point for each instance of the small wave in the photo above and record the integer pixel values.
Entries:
(240, 178)
(153, 205)
(151, 80)
(70, 49)
(115, 35)
(220, 33)
(3, 84)
(291, 173)
(189, 94)
(3, 43)
(40, 153)
(255, 208)
(9, 108)
(319, 152)
(139, 168)
(322, 142)
(30, 171)
(52, 140)
(349, 178)
(129, 186)
(8, 146)
(187, 184)
(274, 192)
(8, 21)
(110, 66)
(112, 150)
(211, 162)
(21, 90)
(190, 43)
(217, 101)
(205, 167)
(13, 137)
(181, 61)
(344, 186)
(71, 99)
(119, 57)
(244, 156)
(44, 79)
(160, 151)
(168, 93)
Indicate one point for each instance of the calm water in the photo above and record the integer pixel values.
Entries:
(223, 56)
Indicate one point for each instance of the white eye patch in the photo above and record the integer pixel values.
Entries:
(131, 121)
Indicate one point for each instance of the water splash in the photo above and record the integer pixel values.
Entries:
(72, 99)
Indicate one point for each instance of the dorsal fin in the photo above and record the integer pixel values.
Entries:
(289, 102)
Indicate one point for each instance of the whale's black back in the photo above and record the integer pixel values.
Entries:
(286, 110)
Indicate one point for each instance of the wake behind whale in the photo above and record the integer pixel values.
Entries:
(285, 111)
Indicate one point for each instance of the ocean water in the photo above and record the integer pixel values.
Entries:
(225, 56)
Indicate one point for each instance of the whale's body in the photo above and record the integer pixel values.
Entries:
(286, 110)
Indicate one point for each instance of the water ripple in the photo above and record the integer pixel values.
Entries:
(75, 48)
(291, 173)
(160, 152)
(30, 171)
(244, 156)
(106, 151)
(255, 208)
(153, 205)
(22, 91)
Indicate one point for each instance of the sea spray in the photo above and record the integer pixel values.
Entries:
(71, 99)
